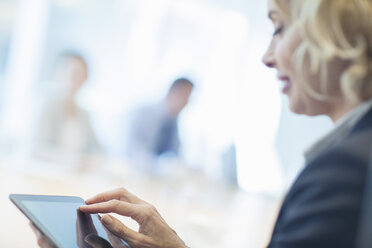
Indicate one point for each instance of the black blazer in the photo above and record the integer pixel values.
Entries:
(323, 207)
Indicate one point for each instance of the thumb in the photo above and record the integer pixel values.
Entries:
(119, 229)
(96, 241)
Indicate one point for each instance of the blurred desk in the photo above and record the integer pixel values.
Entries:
(205, 214)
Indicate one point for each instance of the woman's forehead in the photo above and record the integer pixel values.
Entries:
(271, 5)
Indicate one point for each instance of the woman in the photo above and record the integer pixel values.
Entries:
(322, 52)
(64, 132)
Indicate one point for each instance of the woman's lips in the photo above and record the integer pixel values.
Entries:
(287, 84)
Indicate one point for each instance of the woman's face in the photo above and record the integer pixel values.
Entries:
(280, 56)
(73, 75)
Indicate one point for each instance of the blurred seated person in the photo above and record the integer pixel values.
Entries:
(64, 131)
(154, 129)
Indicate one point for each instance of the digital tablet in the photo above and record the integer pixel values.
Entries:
(59, 219)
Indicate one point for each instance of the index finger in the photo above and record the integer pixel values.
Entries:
(112, 206)
(116, 194)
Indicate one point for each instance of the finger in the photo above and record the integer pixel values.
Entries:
(39, 235)
(42, 241)
(115, 241)
(112, 206)
(85, 223)
(35, 230)
(134, 239)
(118, 194)
(97, 242)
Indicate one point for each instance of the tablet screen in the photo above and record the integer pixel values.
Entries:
(60, 220)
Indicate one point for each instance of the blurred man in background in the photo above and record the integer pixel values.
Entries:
(154, 130)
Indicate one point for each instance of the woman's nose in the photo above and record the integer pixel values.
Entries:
(268, 58)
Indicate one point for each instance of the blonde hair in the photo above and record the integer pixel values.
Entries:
(334, 30)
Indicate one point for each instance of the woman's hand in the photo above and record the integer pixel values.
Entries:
(154, 232)
(42, 241)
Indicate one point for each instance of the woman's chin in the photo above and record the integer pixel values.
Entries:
(296, 108)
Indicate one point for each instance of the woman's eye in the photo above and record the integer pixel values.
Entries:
(278, 31)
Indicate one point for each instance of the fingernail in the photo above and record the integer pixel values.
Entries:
(107, 220)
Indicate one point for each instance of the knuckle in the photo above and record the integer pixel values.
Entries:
(115, 204)
(41, 242)
(135, 243)
(150, 242)
(140, 242)
(121, 231)
(148, 210)
(153, 207)
(122, 191)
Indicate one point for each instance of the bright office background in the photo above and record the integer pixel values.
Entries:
(135, 48)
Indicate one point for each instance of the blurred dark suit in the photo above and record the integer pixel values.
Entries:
(323, 207)
(154, 131)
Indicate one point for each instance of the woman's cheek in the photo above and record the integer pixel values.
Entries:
(285, 49)
(281, 55)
